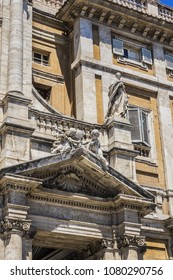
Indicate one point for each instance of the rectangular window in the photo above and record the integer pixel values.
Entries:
(131, 54)
(41, 58)
(169, 61)
(139, 119)
(127, 53)
(140, 130)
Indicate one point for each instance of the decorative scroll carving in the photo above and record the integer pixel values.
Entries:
(91, 249)
(125, 241)
(118, 98)
(9, 225)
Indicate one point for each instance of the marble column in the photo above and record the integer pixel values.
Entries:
(13, 245)
(14, 232)
(130, 253)
(1, 247)
(27, 244)
(131, 247)
(15, 65)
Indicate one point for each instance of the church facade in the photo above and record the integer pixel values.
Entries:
(86, 130)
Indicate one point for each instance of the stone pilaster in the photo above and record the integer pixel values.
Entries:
(166, 125)
(159, 61)
(84, 76)
(85, 94)
(13, 238)
(105, 44)
(15, 64)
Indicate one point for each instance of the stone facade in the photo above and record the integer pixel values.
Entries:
(76, 182)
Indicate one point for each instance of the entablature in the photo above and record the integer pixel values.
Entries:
(124, 15)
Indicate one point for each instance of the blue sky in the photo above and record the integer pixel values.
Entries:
(167, 2)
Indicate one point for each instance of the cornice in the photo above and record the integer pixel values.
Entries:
(48, 76)
(127, 73)
(122, 15)
(19, 183)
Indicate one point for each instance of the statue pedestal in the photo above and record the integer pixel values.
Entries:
(121, 150)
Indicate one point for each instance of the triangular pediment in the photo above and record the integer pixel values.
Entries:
(82, 173)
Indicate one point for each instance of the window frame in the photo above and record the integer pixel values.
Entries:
(141, 111)
(41, 61)
(168, 61)
(144, 54)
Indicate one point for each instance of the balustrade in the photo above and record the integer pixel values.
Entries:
(166, 13)
(52, 126)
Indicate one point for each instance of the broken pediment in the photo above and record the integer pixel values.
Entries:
(81, 172)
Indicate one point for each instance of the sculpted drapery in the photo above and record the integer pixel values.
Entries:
(118, 98)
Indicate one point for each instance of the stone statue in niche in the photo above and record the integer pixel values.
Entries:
(118, 98)
(95, 147)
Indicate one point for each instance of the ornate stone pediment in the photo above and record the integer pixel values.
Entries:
(82, 172)
(74, 182)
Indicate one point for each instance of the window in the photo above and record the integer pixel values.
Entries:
(131, 54)
(139, 119)
(41, 58)
(169, 63)
(44, 91)
(140, 130)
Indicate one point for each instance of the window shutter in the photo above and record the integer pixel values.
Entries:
(146, 56)
(144, 117)
(117, 47)
(169, 61)
(135, 120)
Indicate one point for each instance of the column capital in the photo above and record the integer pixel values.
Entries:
(127, 241)
(9, 225)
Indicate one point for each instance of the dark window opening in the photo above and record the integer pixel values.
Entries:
(44, 91)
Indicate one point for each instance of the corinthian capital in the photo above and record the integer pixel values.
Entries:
(125, 241)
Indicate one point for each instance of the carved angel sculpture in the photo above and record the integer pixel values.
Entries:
(94, 146)
(61, 146)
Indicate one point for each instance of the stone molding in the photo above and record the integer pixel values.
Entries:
(107, 206)
(48, 76)
(78, 9)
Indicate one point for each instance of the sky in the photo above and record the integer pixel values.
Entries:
(167, 2)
